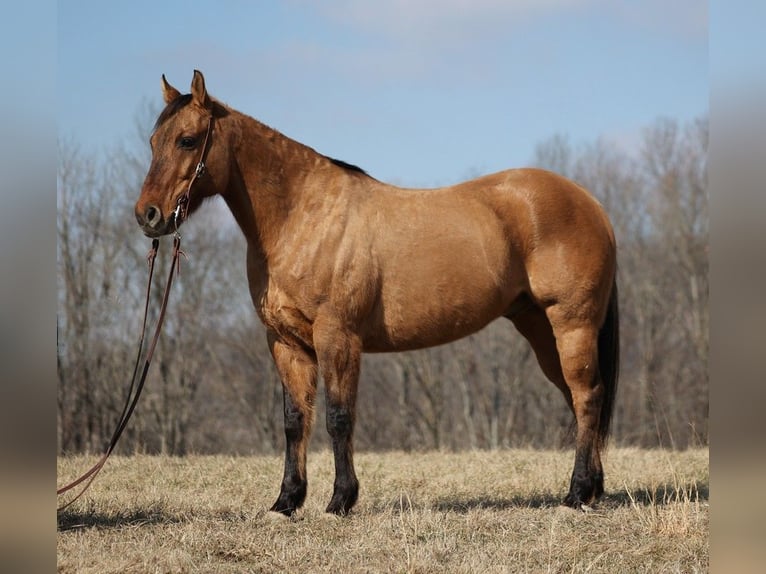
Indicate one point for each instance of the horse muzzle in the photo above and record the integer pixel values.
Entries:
(152, 223)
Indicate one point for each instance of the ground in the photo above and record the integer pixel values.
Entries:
(417, 512)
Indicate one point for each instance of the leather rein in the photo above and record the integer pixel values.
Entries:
(134, 391)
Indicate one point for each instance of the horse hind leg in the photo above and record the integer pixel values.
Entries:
(533, 324)
(577, 344)
(567, 357)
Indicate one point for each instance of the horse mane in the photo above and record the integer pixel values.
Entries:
(184, 100)
(181, 102)
(347, 166)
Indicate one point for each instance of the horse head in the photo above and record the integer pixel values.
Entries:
(189, 159)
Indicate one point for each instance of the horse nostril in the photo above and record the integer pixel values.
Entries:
(152, 215)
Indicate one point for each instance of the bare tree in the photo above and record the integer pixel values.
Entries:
(95, 296)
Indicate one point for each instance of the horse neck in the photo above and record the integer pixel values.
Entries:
(269, 170)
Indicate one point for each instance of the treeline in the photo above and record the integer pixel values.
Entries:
(213, 388)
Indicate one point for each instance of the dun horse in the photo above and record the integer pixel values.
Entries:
(339, 264)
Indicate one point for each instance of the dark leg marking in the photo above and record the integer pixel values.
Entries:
(340, 425)
(292, 494)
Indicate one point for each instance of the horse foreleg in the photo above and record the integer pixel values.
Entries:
(298, 371)
(339, 355)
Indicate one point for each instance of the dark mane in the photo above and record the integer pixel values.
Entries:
(348, 166)
(172, 108)
(182, 101)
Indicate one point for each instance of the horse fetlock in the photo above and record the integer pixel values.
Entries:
(598, 487)
(584, 490)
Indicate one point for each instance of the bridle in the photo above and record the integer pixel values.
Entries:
(135, 388)
(182, 205)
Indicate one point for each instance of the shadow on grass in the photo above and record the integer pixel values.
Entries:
(657, 496)
(486, 502)
(75, 520)
(464, 505)
(86, 519)
(663, 495)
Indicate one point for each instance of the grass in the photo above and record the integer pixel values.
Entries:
(425, 513)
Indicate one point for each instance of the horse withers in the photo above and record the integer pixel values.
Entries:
(339, 263)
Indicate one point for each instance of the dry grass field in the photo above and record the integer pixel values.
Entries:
(428, 512)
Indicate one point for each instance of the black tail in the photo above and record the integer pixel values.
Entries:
(609, 362)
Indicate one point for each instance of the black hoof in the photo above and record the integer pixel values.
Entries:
(584, 491)
(290, 499)
(343, 500)
(339, 507)
(576, 503)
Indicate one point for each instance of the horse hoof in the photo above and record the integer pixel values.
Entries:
(338, 508)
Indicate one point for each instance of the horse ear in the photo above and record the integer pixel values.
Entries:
(199, 93)
(169, 93)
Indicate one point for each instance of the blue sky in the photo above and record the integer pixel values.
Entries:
(417, 92)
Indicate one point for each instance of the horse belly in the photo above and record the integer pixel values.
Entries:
(448, 265)
(423, 310)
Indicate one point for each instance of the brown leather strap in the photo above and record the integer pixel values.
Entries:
(132, 399)
(182, 206)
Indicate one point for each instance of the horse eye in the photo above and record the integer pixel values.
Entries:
(187, 143)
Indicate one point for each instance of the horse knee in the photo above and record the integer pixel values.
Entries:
(294, 423)
(340, 421)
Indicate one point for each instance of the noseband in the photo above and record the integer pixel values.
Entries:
(182, 206)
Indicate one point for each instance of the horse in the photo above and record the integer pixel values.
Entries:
(340, 263)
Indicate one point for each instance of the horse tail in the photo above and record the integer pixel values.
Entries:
(609, 362)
